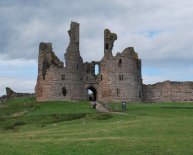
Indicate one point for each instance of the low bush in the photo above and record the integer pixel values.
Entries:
(13, 125)
(65, 117)
(102, 116)
(19, 123)
(9, 127)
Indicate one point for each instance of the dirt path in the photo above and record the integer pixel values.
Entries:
(100, 107)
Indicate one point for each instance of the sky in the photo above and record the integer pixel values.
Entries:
(161, 32)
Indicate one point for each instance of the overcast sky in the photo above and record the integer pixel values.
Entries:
(161, 31)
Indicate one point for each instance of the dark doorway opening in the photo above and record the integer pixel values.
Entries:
(91, 93)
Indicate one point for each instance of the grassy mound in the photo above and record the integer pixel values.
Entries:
(28, 127)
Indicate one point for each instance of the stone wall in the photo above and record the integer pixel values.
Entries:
(90, 79)
(121, 74)
(119, 78)
(56, 82)
(168, 92)
(12, 94)
(3, 99)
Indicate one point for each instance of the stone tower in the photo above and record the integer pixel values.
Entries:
(56, 82)
(109, 39)
(119, 77)
(120, 74)
(74, 63)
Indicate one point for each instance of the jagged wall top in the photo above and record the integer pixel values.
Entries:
(74, 37)
(109, 39)
(48, 55)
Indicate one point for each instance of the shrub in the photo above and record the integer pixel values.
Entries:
(19, 123)
(14, 125)
(9, 127)
(65, 117)
(102, 116)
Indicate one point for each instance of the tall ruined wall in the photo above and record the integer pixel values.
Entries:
(74, 64)
(121, 74)
(58, 86)
(48, 80)
(119, 77)
(56, 82)
(126, 76)
(90, 79)
(168, 92)
(105, 86)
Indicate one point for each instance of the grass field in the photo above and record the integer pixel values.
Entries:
(63, 128)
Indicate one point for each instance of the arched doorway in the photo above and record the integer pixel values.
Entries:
(91, 93)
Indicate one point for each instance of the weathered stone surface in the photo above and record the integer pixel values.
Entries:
(101, 108)
(11, 94)
(52, 82)
(119, 77)
(168, 92)
(3, 99)
(109, 39)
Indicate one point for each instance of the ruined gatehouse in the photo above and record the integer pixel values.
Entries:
(119, 77)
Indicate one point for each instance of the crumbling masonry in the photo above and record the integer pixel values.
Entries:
(119, 77)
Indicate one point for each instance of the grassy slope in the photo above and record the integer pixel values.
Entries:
(74, 128)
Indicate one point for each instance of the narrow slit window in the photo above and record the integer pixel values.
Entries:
(119, 77)
(118, 92)
(64, 91)
(106, 46)
(96, 69)
(139, 94)
(137, 65)
(120, 62)
(63, 77)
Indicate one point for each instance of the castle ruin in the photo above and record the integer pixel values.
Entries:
(119, 78)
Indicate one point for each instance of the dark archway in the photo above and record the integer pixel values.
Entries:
(91, 93)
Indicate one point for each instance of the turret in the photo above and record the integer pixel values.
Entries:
(74, 37)
(72, 56)
(109, 39)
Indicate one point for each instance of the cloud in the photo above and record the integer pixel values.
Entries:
(160, 31)
(18, 74)
(17, 85)
(25, 24)
(153, 74)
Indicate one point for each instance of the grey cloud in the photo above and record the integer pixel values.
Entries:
(27, 23)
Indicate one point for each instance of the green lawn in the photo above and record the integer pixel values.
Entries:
(74, 128)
